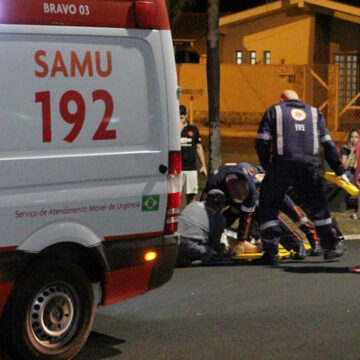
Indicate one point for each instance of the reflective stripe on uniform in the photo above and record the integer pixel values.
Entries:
(325, 138)
(269, 224)
(262, 136)
(247, 209)
(279, 130)
(327, 221)
(315, 130)
(303, 221)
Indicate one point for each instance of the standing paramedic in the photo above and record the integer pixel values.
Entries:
(190, 147)
(287, 144)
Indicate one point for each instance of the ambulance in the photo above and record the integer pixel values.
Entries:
(89, 162)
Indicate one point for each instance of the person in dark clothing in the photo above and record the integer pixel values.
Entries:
(348, 154)
(201, 225)
(241, 195)
(290, 238)
(190, 148)
(287, 144)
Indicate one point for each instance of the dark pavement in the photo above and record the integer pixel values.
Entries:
(305, 310)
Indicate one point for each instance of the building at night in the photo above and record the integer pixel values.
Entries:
(311, 46)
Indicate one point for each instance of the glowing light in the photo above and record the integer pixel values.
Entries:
(150, 255)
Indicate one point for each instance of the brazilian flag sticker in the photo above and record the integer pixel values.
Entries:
(150, 203)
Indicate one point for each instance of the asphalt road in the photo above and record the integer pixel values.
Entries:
(306, 310)
(303, 310)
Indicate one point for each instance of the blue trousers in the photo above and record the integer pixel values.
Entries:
(306, 179)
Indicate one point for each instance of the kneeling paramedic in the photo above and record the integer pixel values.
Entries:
(201, 225)
(287, 144)
(241, 196)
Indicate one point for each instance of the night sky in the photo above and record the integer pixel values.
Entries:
(238, 5)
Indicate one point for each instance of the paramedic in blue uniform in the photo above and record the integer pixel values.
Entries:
(288, 143)
(241, 195)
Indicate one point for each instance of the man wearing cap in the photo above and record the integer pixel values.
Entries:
(201, 225)
(287, 144)
(241, 195)
(190, 148)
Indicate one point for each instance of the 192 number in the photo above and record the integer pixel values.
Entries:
(76, 118)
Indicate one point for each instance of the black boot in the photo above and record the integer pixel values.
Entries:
(267, 259)
(300, 252)
(330, 254)
(315, 250)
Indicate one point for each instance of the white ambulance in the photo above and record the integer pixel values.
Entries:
(89, 163)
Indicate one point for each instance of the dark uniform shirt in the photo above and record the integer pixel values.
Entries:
(190, 137)
(291, 132)
(217, 180)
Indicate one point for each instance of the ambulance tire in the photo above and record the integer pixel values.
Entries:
(60, 294)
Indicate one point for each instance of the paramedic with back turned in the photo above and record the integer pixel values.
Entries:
(288, 143)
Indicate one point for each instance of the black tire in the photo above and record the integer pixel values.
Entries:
(51, 312)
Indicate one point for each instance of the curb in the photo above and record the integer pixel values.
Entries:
(352, 237)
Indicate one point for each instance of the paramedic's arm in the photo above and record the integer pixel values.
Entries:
(217, 226)
(331, 152)
(245, 219)
(263, 141)
(201, 156)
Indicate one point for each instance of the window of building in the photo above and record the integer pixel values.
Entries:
(253, 57)
(348, 79)
(267, 57)
(239, 57)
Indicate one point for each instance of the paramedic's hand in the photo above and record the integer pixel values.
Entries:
(203, 170)
(345, 178)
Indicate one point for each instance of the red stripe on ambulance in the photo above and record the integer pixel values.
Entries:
(118, 14)
(125, 283)
(5, 290)
(7, 248)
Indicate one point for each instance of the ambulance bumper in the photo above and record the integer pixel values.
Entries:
(129, 274)
(164, 267)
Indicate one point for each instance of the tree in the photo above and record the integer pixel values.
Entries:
(175, 8)
(213, 82)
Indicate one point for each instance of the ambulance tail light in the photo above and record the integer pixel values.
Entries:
(145, 14)
(174, 193)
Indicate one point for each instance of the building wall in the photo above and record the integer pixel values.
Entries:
(288, 35)
(245, 90)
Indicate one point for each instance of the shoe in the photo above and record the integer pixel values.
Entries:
(330, 254)
(183, 262)
(315, 250)
(267, 259)
(341, 242)
(300, 252)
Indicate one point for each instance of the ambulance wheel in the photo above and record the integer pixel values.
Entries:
(52, 312)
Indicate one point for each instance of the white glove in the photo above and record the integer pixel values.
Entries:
(345, 178)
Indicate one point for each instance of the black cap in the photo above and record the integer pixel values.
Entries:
(182, 109)
(216, 197)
